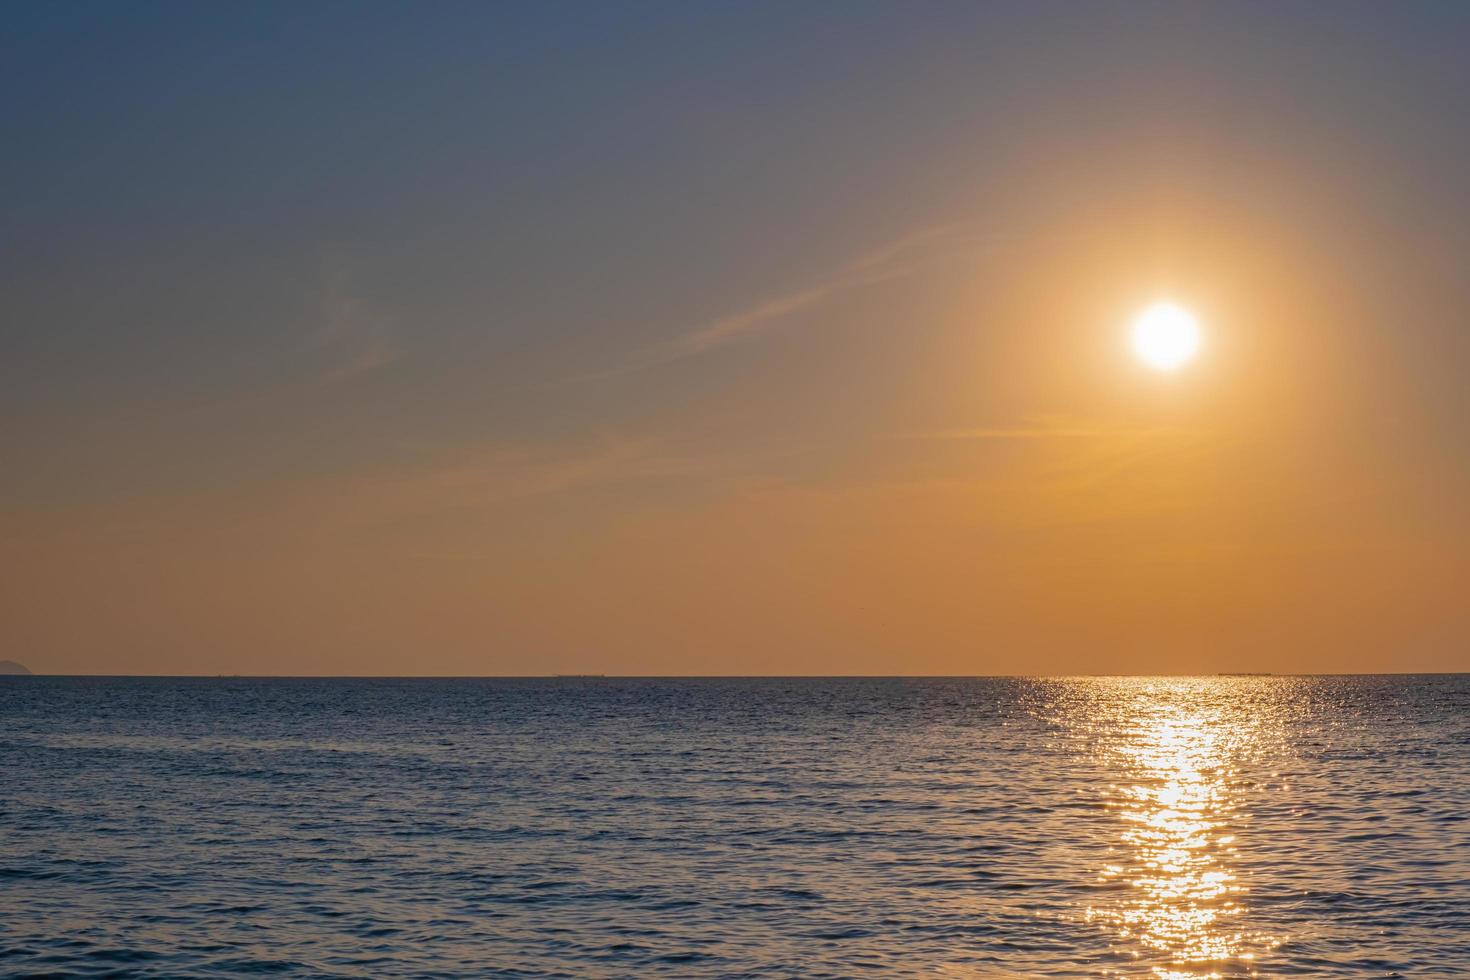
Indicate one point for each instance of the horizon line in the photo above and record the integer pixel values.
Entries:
(605, 676)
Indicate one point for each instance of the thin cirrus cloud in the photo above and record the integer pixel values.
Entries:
(1008, 432)
(353, 337)
(485, 477)
(1043, 427)
(895, 260)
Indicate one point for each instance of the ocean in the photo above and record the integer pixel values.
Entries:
(823, 827)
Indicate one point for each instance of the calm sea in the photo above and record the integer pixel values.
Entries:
(1180, 828)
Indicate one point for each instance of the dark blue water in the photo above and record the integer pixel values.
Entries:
(1210, 827)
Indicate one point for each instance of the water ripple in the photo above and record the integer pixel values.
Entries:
(1167, 828)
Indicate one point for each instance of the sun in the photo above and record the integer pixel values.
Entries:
(1166, 336)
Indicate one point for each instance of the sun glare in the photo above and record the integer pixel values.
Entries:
(1166, 336)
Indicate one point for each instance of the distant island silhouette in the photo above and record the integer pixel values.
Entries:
(11, 667)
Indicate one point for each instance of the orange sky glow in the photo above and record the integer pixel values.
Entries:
(884, 419)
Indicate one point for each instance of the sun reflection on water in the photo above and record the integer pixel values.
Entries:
(1181, 904)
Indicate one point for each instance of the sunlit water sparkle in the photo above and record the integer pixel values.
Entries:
(1180, 828)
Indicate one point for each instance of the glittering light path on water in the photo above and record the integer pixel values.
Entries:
(1183, 900)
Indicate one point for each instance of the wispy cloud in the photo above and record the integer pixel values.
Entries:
(1035, 428)
(1038, 432)
(895, 260)
(353, 336)
(488, 476)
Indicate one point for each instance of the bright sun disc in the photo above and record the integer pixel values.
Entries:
(1166, 336)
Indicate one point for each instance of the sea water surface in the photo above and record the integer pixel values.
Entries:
(1090, 827)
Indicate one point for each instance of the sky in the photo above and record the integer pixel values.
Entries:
(732, 338)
